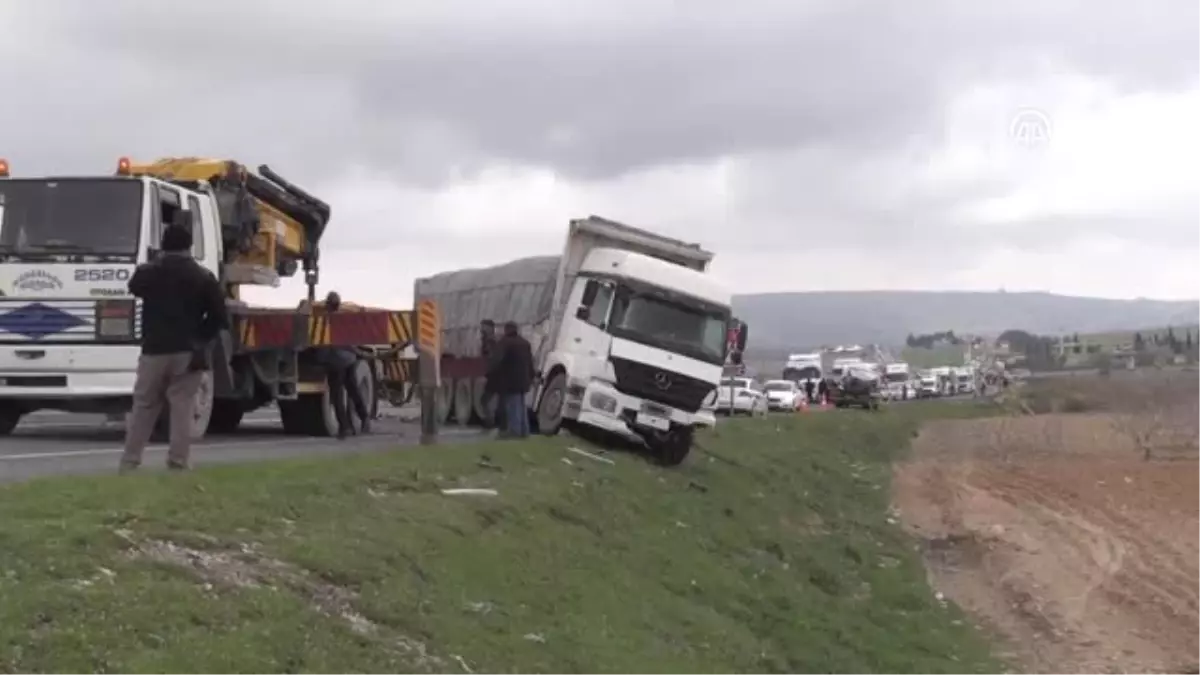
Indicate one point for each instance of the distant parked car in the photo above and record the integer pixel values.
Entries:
(740, 401)
(783, 395)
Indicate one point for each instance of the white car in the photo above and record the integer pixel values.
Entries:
(783, 395)
(740, 400)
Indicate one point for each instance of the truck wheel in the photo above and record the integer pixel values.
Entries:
(672, 448)
(10, 416)
(309, 415)
(445, 401)
(550, 407)
(464, 401)
(483, 407)
(365, 380)
(226, 416)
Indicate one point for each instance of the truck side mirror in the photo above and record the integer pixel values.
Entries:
(583, 313)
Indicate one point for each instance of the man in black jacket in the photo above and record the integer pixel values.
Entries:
(340, 364)
(487, 350)
(183, 311)
(512, 372)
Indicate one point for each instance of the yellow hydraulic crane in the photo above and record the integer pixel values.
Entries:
(266, 221)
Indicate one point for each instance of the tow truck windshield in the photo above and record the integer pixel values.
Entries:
(682, 326)
(43, 219)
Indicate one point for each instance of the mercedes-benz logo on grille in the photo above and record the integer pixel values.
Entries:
(662, 381)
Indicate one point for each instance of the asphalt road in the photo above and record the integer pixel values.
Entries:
(50, 443)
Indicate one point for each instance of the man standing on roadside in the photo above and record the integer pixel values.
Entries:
(340, 364)
(512, 371)
(487, 350)
(183, 311)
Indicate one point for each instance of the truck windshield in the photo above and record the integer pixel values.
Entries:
(897, 377)
(671, 324)
(804, 373)
(42, 219)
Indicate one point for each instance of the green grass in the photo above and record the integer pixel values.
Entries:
(770, 550)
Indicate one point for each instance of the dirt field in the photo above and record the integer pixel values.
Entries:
(1055, 532)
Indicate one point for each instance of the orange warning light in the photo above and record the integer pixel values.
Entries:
(3, 168)
(123, 165)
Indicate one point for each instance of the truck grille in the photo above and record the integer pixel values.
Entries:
(645, 381)
(24, 320)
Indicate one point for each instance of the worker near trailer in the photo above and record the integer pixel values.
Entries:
(487, 350)
(183, 311)
(340, 364)
(513, 374)
(808, 390)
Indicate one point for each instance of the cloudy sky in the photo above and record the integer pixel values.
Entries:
(836, 144)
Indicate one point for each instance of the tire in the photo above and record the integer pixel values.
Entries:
(365, 379)
(464, 401)
(550, 405)
(309, 415)
(674, 447)
(445, 401)
(202, 410)
(480, 407)
(226, 416)
(10, 417)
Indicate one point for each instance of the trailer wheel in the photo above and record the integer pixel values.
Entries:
(483, 406)
(364, 377)
(445, 401)
(464, 401)
(309, 415)
(550, 406)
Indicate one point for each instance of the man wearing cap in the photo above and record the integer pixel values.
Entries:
(183, 311)
(340, 364)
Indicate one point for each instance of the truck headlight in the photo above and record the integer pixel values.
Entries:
(603, 402)
(114, 319)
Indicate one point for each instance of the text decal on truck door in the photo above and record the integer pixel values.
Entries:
(103, 274)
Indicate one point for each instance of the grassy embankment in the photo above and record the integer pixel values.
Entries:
(771, 549)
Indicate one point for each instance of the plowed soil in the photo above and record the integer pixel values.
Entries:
(1052, 531)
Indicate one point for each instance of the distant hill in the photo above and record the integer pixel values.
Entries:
(782, 321)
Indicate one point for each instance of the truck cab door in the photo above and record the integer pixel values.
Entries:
(585, 327)
(206, 234)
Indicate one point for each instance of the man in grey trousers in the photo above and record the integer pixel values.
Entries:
(183, 310)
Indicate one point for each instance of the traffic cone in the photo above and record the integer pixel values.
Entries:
(825, 402)
(803, 404)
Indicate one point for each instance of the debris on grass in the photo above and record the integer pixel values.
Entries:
(479, 492)
(589, 455)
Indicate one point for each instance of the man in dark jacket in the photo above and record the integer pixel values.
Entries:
(340, 364)
(487, 351)
(512, 372)
(183, 311)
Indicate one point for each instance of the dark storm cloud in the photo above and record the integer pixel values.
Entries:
(828, 108)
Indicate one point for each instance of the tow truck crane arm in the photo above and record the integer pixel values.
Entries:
(266, 221)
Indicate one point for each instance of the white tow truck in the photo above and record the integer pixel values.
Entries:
(897, 381)
(629, 333)
(70, 330)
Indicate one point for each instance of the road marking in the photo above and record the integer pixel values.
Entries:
(158, 448)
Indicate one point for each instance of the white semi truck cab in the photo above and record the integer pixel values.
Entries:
(641, 346)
